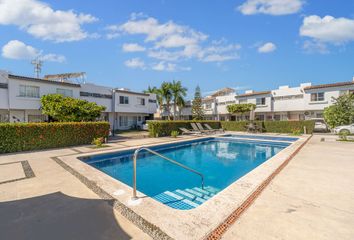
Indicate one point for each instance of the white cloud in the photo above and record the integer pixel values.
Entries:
(40, 20)
(271, 7)
(170, 42)
(168, 67)
(267, 48)
(328, 29)
(20, 51)
(135, 63)
(132, 47)
(315, 47)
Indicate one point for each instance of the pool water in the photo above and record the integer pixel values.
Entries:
(222, 161)
(259, 137)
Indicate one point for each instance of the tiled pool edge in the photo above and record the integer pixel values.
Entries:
(195, 224)
(232, 218)
(149, 228)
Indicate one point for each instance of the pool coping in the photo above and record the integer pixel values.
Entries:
(208, 220)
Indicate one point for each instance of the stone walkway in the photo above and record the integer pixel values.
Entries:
(312, 198)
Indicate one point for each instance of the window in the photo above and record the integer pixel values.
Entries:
(65, 92)
(123, 100)
(141, 101)
(152, 101)
(95, 95)
(222, 118)
(123, 121)
(260, 117)
(139, 118)
(260, 101)
(29, 91)
(277, 117)
(316, 97)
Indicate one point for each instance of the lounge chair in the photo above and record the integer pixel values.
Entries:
(185, 131)
(200, 126)
(216, 130)
(195, 128)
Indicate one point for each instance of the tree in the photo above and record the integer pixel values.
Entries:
(241, 108)
(167, 96)
(68, 109)
(197, 108)
(341, 112)
(178, 93)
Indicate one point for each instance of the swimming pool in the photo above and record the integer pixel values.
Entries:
(262, 137)
(221, 160)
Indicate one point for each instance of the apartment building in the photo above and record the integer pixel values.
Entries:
(20, 100)
(303, 102)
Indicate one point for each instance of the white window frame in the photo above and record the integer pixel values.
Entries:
(316, 97)
(261, 103)
(29, 91)
(65, 92)
(125, 100)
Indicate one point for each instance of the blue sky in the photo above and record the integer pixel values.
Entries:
(245, 44)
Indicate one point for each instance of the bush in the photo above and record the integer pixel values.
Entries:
(174, 134)
(17, 137)
(164, 128)
(272, 126)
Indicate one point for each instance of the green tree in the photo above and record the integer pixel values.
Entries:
(241, 108)
(178, 93)
(341, 112)
(181, 103)
(197, 108)
(166, 94)
(68, 109)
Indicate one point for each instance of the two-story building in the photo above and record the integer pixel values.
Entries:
(20, 100)
(306, 101)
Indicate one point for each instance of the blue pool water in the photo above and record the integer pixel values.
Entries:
(222, 161)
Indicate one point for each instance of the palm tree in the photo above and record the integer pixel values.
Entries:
(166, 95)
(178, 93)
(158, 94)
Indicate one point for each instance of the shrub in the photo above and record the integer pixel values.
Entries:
(272, 126)
(17, 137)
(164, 128)
(174, 134)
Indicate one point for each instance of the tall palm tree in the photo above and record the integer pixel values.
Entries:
(178, 92)
(166, 94)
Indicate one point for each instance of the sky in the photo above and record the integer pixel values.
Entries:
(243, 44)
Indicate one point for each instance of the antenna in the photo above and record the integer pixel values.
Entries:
(37, 63)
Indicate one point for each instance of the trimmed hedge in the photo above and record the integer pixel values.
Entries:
(272, 126)
(164, 128)
(15, 137)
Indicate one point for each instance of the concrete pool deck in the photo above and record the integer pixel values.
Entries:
(45, 206)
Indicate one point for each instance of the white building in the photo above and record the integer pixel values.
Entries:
(20, 100)
(285, 103)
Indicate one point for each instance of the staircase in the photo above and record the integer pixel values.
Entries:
(187, 198)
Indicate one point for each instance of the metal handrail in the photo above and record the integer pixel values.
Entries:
(135, 156)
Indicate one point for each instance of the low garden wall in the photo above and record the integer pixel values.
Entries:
(15, 137)
(164, 128)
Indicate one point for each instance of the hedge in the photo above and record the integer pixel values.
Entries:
(15, 137)
(272, 126)
(164, 128)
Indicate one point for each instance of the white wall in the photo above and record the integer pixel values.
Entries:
(134, 105)
(92, 88)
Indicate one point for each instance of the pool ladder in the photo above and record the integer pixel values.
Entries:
(135, 157)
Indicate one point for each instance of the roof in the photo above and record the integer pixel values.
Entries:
(254, 94)
(41, 80)
(222, 92)
(330, 85)
(131, 92)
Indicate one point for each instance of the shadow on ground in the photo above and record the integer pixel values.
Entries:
(58, 216)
